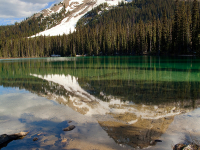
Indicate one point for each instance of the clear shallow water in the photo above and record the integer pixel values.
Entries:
(112, 96)
(45, 119)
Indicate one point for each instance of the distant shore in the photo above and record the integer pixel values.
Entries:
(1, 58)
(17, 57)
(100, 55)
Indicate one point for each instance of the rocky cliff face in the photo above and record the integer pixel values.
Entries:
(70, 5)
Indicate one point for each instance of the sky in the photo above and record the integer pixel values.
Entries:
(12, 11)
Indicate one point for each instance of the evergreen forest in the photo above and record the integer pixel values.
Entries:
(153, 27)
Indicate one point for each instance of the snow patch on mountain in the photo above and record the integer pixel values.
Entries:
(67, 25)
(59, 10)
(77, 9)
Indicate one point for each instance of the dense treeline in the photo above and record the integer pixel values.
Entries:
(133, 12)
(158, 27)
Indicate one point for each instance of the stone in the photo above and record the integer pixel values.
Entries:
(152, 142)
(35, 139)
(158, 140)
(71, 127)
(5, 139)
(192, 146)
(189, 147)
(179, 146)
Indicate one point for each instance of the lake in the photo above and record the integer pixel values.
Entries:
(127, 102)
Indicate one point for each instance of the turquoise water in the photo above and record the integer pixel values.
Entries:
(138, 79)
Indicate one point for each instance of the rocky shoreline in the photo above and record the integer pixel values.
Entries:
(5, 139)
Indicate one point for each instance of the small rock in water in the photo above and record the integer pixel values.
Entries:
(189, 147)
(35, 139)
(192, 147)
(158, 140)
(152, 142)
(69, 121)
(71, 127)
(179, 146)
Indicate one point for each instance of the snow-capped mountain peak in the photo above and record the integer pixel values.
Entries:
(72, 10)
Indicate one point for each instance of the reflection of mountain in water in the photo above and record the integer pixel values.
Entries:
(132, 109)
(93, 105)
(141, 134)
(129, 123)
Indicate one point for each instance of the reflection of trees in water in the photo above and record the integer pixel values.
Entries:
(145, 92)
(35, 85)
(116, 76)
(139, 92)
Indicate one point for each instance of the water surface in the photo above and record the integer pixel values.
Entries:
(128, 101)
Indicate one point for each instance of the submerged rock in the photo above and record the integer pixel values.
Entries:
(191, 146)
(35, 139)
(179, 146)
(154, 142)
(158, 140)
(71, 127)
(5, 139)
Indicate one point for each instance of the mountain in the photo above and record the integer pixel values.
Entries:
(71, 11)
(153, 27)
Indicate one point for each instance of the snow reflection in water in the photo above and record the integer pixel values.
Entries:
(125, 122)
(82, 99)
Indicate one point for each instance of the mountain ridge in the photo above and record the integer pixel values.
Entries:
(73, 11)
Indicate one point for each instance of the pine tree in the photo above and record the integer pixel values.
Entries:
(158, 37)
(183, 29)
(195, 17)
(164, 34)
(189, 22)
(176, 29)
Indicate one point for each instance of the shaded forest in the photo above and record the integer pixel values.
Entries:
(154, 27)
